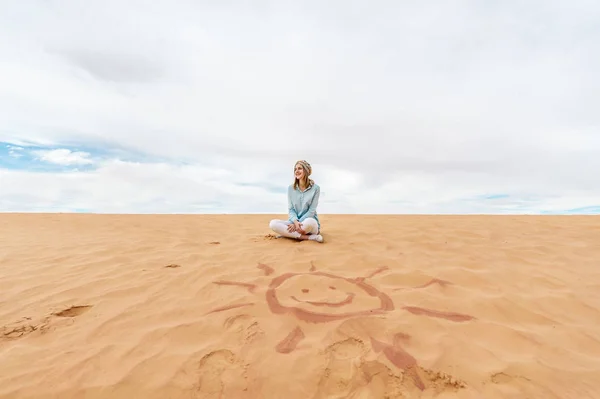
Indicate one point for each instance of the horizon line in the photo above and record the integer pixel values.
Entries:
(281, 213)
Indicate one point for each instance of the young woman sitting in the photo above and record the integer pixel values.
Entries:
(303, 199)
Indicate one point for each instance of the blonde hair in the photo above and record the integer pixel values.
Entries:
(307, 172)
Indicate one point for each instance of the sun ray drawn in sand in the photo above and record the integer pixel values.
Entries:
(288, 294)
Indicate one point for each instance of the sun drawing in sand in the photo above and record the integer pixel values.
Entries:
(353, 297)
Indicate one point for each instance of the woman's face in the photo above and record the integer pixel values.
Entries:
(299, 172)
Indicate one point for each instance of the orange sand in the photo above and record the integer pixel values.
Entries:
(122, 306)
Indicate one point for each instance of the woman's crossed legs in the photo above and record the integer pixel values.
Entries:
(309, 225)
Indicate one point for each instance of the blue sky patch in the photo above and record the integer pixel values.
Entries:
(55, 158)
(584, 210)
(65, 157)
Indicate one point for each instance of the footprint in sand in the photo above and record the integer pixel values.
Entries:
(221, 375)
(342, 376)
(442, 382)
(350, 373)
(73, 311)
(20, 328)
(25, 326)
(245, 326)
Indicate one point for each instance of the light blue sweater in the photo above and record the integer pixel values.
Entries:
(303, 204)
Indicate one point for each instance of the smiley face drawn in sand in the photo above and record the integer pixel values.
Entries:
(320, 297)
(329, 298)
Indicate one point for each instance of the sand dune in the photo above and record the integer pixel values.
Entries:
(102, 306)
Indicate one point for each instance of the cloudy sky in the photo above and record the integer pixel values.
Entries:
(185, 106)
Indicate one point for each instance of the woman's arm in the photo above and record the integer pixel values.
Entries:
(292, 214)
(312, 209)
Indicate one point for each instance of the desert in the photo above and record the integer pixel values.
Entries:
(215, 306)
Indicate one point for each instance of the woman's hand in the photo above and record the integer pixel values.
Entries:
(299, 228)
(291, 227)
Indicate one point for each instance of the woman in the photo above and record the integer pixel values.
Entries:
(303, 198)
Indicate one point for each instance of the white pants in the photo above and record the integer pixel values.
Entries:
(309, 225)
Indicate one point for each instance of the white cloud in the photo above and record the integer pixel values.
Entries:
(64, 156)
(132, 187)
(14, 151)
(400, 107)
(118, 186)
